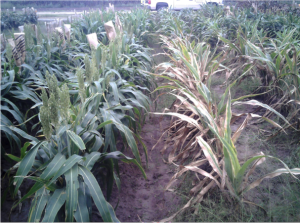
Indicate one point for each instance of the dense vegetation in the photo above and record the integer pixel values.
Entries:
(73, 104)
(66, 108)
(89, 3)
(66, 4)
(13, 19)
(241, 43)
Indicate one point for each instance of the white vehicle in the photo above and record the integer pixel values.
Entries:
(178, 4)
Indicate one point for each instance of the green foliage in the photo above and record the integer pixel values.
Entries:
(66, 5)
(63, 154)
(10, 19)
(189, 76)
(83, 101)
(85, 105)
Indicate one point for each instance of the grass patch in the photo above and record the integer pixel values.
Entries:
(165, 101)
(279, 196)
(248, 85)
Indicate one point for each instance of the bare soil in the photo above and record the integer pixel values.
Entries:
(144, 199)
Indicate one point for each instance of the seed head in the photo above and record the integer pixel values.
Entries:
(64, 101)
(44, 97)
(52, 85)
(46, 122)
(94, 68)
(48, 46)
(53, 107)
(88, 71)
(103, 60)
(80, 79)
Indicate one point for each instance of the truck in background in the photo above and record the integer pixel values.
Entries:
(178, 4)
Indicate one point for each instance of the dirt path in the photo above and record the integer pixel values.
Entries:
(140, 199)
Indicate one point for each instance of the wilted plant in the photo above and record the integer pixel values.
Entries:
(202, 132)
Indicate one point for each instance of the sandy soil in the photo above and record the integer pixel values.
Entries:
(140, 199)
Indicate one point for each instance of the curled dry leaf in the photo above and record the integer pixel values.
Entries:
(295, 171)
(255, 164)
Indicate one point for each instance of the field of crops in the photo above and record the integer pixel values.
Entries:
(201, 105)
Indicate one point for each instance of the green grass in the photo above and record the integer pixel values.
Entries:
(279, 196)
(248, 85)
(214, 208)
(165, 101)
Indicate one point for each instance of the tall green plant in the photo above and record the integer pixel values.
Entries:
(61, 165)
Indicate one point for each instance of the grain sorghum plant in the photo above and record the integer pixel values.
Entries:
(80, 79)
(64, 102)
(88, 71)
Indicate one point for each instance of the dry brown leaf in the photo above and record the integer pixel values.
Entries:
(238, 132)
(276, 173)
(209, 156)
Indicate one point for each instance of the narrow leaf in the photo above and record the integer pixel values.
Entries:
(56, 201)
(76, 139)
(26, 165)
(105, 209)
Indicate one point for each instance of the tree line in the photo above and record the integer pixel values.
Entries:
(67, 2)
